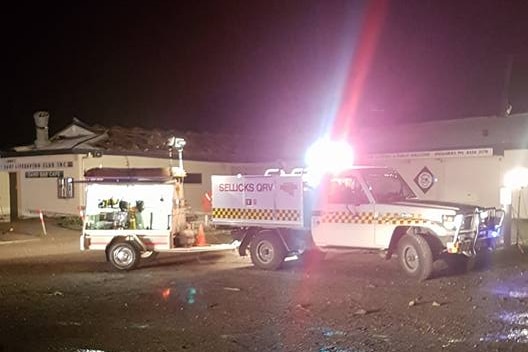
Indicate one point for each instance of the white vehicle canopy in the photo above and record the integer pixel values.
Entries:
(267, 201)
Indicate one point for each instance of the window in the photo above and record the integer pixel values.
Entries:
(387, 186)
(193, 178)
(65, 187)
(346, 190)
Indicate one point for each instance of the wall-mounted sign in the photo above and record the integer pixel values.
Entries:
(437, 154)
(424, 179)
(44, 174)
(15, 165)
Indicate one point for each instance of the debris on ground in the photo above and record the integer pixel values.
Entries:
(235, 289)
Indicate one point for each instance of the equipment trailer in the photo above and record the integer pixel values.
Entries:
(134, 214)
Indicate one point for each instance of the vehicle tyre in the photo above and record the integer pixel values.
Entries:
(124, 255)
(267, 251)
(415, 256)
(149, 256)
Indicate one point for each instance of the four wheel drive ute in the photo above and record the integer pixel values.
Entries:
(278, 215)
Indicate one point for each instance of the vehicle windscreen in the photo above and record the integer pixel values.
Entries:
(387, 186)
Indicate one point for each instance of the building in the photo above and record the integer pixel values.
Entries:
(47, 175)
(463, 160)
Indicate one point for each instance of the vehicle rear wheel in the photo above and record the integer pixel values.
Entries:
(124, 256)
(415, 256)
(267, 251)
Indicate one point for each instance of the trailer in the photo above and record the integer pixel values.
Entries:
(134, 214)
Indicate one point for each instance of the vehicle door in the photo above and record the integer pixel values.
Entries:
(344, 216)
(387, 189)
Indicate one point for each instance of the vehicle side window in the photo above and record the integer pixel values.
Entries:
(346, 190)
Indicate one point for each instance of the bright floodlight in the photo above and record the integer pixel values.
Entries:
(327, 156)
(516, 178)
(177, 143)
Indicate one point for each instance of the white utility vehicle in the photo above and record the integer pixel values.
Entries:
(277, 215)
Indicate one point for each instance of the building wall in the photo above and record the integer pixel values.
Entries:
(37, 192)
(464, 180)
(517, 159)
(37, 183)
(4, 196)
(470, 180)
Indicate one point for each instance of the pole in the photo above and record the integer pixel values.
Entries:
(42, 223)
(507, 226)
(518, 222)
(505, 101)
(180, 156)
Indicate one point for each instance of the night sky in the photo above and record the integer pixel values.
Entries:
(267, 67)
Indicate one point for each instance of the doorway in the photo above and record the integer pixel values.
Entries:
(13, 196)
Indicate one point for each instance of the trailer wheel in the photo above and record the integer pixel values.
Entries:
(124, 255)
(267, 251)
(415, 256)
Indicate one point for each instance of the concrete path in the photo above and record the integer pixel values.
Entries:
(25, 238)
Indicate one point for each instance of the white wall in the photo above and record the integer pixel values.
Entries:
(515, 159)
(36, 194)
(40, 193)
(467, 180)
(474, 181)
(4, 196)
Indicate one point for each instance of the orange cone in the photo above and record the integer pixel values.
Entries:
(200, 238)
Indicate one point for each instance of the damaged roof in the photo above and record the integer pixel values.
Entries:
(201, 146)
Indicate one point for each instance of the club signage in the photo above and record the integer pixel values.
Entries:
(15, 165)
(44, 174)
(438, 154)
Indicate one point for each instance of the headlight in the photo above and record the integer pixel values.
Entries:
(452, 222)
(483, 215)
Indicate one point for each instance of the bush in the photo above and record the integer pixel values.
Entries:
(70, 222)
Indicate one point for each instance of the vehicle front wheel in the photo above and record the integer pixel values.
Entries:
(267, 251)
(124, 255)
(415, 256)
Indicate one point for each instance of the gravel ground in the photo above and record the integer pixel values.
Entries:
(55, 298)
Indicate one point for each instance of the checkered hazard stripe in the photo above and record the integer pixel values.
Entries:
(256, 214)
(370, 218)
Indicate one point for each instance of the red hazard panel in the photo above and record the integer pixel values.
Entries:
(207, 202)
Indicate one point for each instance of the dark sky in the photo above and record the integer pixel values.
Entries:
(268, 67)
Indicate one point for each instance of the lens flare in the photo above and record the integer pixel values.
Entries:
(327, 156)
(165, 293)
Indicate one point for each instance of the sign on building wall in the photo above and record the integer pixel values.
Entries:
(453, 153)
(44, 174)
(14, 165)
(424, 179)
